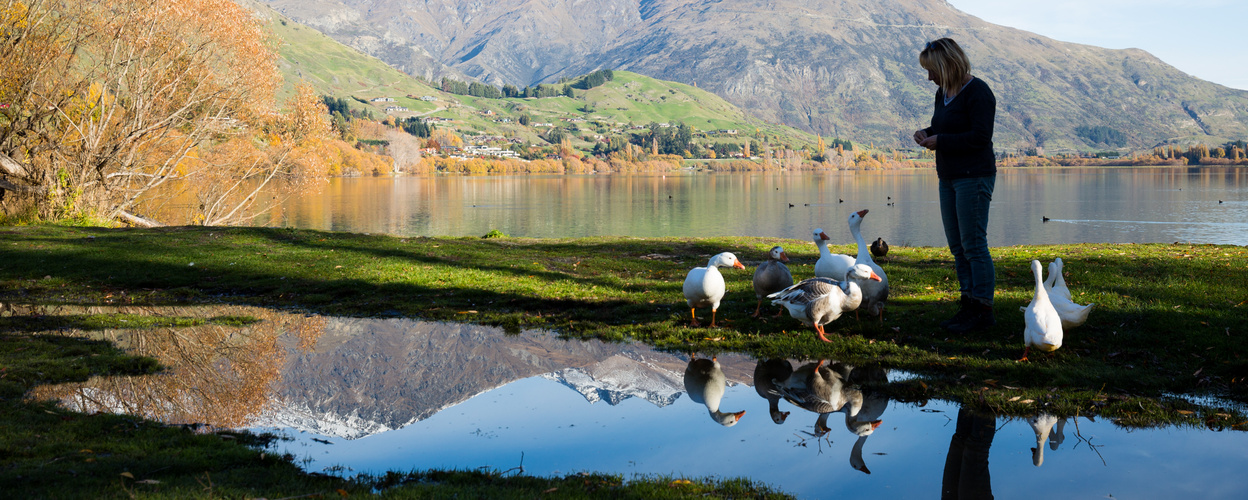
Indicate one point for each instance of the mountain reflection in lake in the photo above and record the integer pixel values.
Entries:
(1098, 205)
(370, 395)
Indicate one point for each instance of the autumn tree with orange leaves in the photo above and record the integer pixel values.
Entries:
(107, 105)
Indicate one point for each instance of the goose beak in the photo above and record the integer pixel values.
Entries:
(876, 424)
(738, 265)
(863, 212)
(824, 236)
(876, 277)
(784, 257)
(739, 414)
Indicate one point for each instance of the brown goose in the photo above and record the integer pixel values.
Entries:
(771, 277)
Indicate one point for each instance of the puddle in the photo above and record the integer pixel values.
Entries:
(370, 395)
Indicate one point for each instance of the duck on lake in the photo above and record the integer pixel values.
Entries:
(704, 286)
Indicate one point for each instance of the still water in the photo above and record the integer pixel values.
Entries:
(370, 395)
(1103, 205)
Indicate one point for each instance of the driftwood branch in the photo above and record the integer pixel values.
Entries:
(9, 186)
(11, 166)
(137, 220)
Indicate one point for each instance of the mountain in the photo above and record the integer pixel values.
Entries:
(366, 376)
(842, 68)
(333, 69)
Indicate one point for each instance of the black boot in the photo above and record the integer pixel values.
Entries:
(979, 317)
(964, 308)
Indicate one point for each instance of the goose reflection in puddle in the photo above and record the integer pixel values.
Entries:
(705, 383)
(826, 387)
(768, 374)
(1047, 427)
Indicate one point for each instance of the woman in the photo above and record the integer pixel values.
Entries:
(961, 136)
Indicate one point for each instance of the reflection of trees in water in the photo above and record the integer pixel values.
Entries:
(219, 375)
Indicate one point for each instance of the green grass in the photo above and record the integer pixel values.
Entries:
(1167, 332)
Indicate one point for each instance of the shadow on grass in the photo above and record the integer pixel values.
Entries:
(1154, 330)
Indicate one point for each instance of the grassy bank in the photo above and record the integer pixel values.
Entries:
(1168, 328)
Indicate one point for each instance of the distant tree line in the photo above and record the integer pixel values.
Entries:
(339, 107)
(594, 79)
(414, 125)
(478, 89)
(475, 89)
(1202, 154)
(1101, 134)
(671, 140)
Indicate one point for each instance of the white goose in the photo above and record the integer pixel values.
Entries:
(771, 277)
(830, 265)
(874, 294)
(704, 286)
(705, 382)
(819, 301)
(1072, 314)
(1043, 326)
(1055, 282)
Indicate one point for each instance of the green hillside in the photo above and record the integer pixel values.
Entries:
(629, 99)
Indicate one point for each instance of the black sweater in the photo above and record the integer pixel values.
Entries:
(964, 127)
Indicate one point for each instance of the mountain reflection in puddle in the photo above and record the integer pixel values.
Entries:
(370, 395)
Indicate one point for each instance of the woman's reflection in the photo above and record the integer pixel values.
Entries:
(705, 383)
(966, 465)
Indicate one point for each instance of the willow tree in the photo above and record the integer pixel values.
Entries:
(112, 100)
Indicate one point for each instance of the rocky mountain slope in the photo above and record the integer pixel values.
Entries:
(843, 68)
(366, 376)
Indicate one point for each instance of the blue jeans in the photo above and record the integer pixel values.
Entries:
(964, 211)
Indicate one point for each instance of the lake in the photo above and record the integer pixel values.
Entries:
(1101, 205)
(367, 395)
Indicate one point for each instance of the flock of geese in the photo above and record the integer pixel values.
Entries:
(823, 387)
(843, 283)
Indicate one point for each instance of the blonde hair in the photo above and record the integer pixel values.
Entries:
(946, 60)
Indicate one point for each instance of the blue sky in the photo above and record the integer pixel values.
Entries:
(1207, 39)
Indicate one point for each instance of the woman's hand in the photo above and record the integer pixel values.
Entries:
(929, 142)
(919, 136)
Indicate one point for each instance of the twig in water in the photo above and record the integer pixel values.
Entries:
(1079, 436)
(519, 468)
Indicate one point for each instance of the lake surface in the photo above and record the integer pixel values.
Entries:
(369, 395)
(1100, 205)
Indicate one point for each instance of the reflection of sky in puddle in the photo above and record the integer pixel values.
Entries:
(559, 433)
(463, 396)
